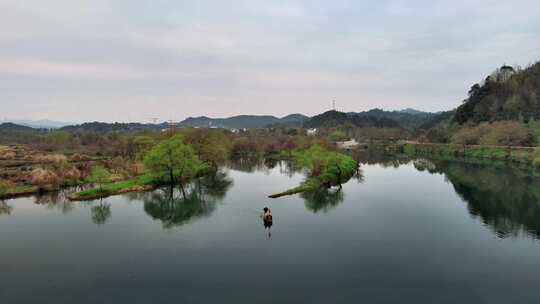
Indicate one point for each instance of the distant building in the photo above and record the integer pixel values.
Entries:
(347, 145)
(505, 73)
(312, 132)
(236, 131)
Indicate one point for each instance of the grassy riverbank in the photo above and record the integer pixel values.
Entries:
(15, 191)
(526, 156)
(142, 183)
(325, 169)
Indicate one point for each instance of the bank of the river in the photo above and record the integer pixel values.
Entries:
(18, 191)
(524, 156)
(325, 168)
(141, 183)
(18, 162)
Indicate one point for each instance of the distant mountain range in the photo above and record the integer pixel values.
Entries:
(506, 94)
(407, 118)
(38, 124)
(14, 133)
(104, 127)
(244, 121)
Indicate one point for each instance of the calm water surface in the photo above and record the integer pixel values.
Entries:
(411, 232)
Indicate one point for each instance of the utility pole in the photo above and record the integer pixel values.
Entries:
(171, 127)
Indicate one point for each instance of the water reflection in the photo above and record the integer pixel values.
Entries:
(375, 157)
(326, 199)
(323, 199)
(56, 200)
(250, 165)
(173, 208)
(5, 208)
(247, 164)
(100, 213)
(506, 200)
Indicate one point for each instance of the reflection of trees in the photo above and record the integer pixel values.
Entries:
(174, 209)
(287, 168)
(322, 199)
(270, 163)
(376, 157)
(507, 200)
(422, 164)
(359, 175)
(101, 213)
(5, 208)
(215, 185)
(326, 199)
(56, 200)
(247, 164)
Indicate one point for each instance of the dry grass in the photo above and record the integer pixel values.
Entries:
(51, 158)
(80, 157)
(44, 179)
(7, 153)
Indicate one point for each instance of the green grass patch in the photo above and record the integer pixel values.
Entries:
(136, 184)
(487, 154)
(14, 191)
(326, 168)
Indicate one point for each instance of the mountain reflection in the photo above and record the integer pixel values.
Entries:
(506, 199)
(173, 209)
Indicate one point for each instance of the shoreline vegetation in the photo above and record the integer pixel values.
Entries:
(135, 162)
(139, 184)
(324, 169)
(486, 154)
(324, 166)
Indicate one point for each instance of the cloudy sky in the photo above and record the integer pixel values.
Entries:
(132, 60)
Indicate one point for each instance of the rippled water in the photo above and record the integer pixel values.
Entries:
(402, 232)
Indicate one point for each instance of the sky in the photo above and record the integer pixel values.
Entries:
(135, 60)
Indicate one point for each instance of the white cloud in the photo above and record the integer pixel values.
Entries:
(252, 56)
(42, 68)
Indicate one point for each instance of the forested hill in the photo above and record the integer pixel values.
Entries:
(244, 121)
(13, 133)
(375, 118)
(507, 94)
(103, 127)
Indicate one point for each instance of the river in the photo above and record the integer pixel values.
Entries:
(399, 232)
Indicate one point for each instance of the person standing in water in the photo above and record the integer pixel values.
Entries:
(267, 220)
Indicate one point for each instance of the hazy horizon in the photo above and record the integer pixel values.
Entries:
(159, 121)
(131, 61)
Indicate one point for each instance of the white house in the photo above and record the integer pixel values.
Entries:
(347, 145)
